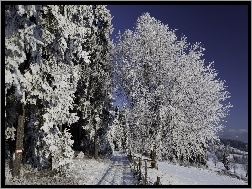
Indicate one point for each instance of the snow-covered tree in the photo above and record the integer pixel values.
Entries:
(18, 41)
(124, 128)
(226, 161)
(93, 96)
(114, 134)
(174, 97)
(118, 133)
(40, 64)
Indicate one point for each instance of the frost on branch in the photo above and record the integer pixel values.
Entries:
(41, 68)
(10, 133)
(176, 104)
(58, 146)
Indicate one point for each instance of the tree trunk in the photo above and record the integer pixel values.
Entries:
(19, 142)
(153, 158)
(95, 144)
(49, 168)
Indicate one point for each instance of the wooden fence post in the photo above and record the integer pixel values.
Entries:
(153, 158)
(130, 155)
(158, 181)
(134, 163)
(145, 180)
(49, 168)
(140, 176)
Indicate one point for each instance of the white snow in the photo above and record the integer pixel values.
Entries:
(171, 174)
(179, 175)
(88, 171)
(117, 171)
(235, 168)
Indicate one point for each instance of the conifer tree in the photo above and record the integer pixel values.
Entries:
(94, 87)
(41, 73)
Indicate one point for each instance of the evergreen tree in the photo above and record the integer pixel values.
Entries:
(42, 75)
(94, 87)
(225, 161)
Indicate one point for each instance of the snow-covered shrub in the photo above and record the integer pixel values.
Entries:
(58, 147)
(80, 155)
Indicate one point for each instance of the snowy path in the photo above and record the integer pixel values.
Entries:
(119, 172)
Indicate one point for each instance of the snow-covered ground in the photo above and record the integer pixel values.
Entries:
(174, 174)
(235, 168)
(171, 174)
(117, 171)
(84, 171)
(88, 171)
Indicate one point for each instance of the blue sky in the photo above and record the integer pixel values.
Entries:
(223, 31)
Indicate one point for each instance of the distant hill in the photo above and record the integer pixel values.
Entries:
(235, 144)
(234, 135)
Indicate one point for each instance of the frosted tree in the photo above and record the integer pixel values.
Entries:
(166, 79)
(124, 128)
(17, 42)
(140, 57)
(43, 71)
(114, 134)
(225, 157)
(93, 96)
(226, 161)
(118, 133)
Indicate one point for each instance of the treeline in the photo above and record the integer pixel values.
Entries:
(243, 146)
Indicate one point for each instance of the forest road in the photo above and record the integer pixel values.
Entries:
(119, 172)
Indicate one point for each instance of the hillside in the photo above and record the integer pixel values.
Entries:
(235, 144)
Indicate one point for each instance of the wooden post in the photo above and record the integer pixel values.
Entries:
(145, 180)
(134, 163)
(95, 144)
(158, 181)
(140, 176)
(129, 155)
(19, 142)
(153, 158)
(49, 168)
